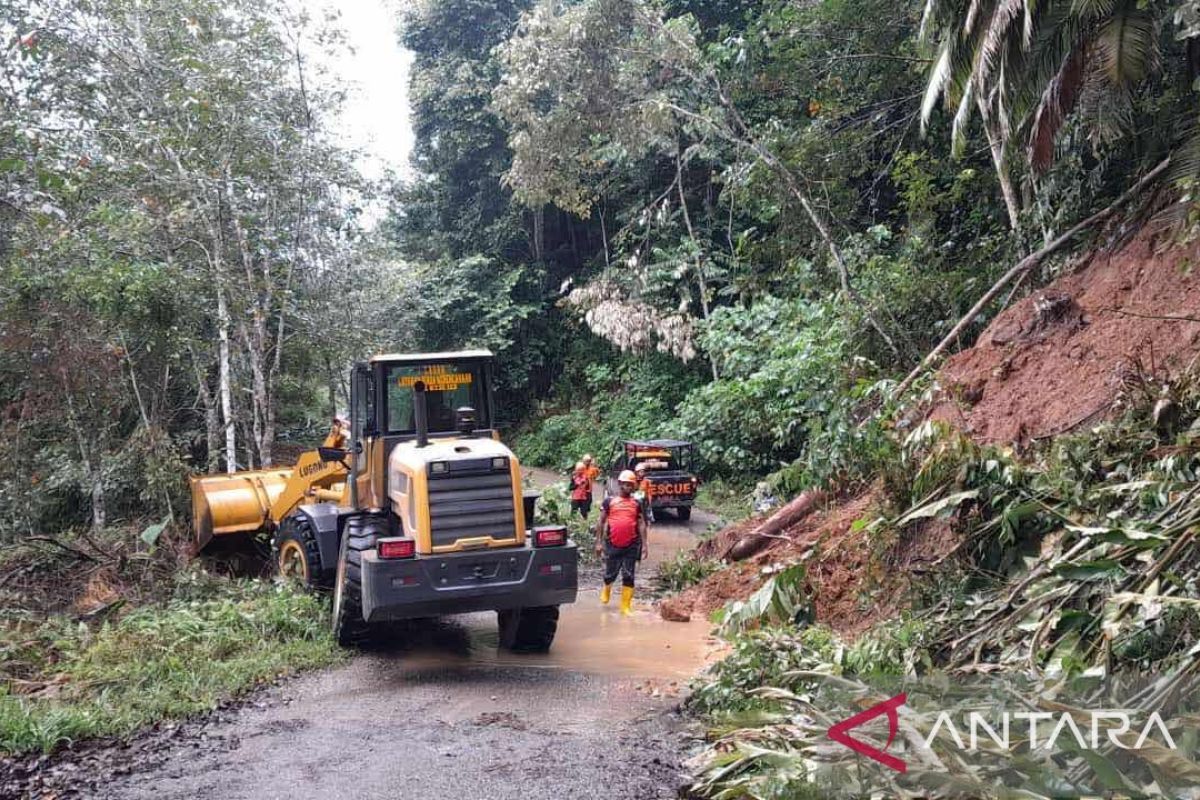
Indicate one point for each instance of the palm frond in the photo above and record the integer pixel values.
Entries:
(1031, 8)
(938, 78)
(1127, 45)
(972, 15)
(1058, 98)
(1184, 175)
(928, 16)
(1057, 34)
(958, 131)
(998, 37)
(1090, 10)
(1185, 162)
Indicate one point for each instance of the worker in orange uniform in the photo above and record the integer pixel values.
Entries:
(644, 491)
(589, 465)
(581, 490)
(622, 538)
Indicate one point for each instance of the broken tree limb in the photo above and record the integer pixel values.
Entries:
(777, 523)
(1024, 265)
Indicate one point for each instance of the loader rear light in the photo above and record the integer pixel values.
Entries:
(396, 547)
(550, 536)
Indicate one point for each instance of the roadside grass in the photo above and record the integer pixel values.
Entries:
(213, 640)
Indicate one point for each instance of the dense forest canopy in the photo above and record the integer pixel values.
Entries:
(732, 221)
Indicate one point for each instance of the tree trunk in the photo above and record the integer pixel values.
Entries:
(539, 232)
(332, 379)
(225, 380)
(91, 465)
(996, 145)
(212, 418)
(255, 338)
(703, 285)
(99, 515)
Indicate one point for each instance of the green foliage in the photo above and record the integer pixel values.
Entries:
(761, 657)
(780, 600)
(633, 398)
(554, 508)
(791, 391)
(216, 639)
(683, 570)
(728, 502)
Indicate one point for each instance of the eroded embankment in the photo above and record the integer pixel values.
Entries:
(1056, 361)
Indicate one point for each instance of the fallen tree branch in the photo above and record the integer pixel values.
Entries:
(62, 546)
(1167, 318)
(776, 524)
(1024, 265)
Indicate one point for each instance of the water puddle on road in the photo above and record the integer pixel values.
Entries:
(592, 637)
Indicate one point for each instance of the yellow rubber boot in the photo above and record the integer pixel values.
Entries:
(626, 600)
(606, 593)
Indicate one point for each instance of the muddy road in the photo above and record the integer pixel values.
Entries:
(447, 715)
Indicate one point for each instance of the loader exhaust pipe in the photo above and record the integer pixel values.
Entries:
(420, 414)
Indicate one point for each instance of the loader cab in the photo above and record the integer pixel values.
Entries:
(383, 396)
(459, 402)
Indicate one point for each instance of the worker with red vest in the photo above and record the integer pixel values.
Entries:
(622, 539)
(581, 490)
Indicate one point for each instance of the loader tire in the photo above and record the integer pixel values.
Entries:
(684, 513)
(295, 554)
(349, 627)
(528, 630)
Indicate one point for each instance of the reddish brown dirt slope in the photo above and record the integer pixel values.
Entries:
(851, 591)
(1055, 360)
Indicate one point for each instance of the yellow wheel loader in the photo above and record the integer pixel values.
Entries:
(412, 508)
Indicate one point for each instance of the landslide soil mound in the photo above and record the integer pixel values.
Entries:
(1057, 360)
(1052, 362)
(852, 590)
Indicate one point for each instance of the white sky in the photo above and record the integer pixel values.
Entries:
(375, 69)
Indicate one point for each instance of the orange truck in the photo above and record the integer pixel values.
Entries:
(669, 467)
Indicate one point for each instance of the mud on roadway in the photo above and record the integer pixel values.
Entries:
(444, 714)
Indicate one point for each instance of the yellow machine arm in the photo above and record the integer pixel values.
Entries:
(258, 500)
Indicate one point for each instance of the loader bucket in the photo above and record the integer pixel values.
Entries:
(241, 502)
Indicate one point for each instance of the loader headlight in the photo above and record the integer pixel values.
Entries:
(438, 468)
(500, 462)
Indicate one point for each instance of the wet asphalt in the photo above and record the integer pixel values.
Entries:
(444, 715)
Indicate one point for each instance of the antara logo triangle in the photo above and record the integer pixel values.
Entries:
(840, 732)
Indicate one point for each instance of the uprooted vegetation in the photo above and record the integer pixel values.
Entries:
(1029, 537)
(1078, 560)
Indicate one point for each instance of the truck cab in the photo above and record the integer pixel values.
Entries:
(668, 467)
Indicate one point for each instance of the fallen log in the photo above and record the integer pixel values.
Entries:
(776, 524)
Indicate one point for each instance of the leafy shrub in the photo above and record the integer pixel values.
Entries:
(554, 508)
(684, 570)
(779, 601)
(729, 501)
(763, 657)
(789, 381)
